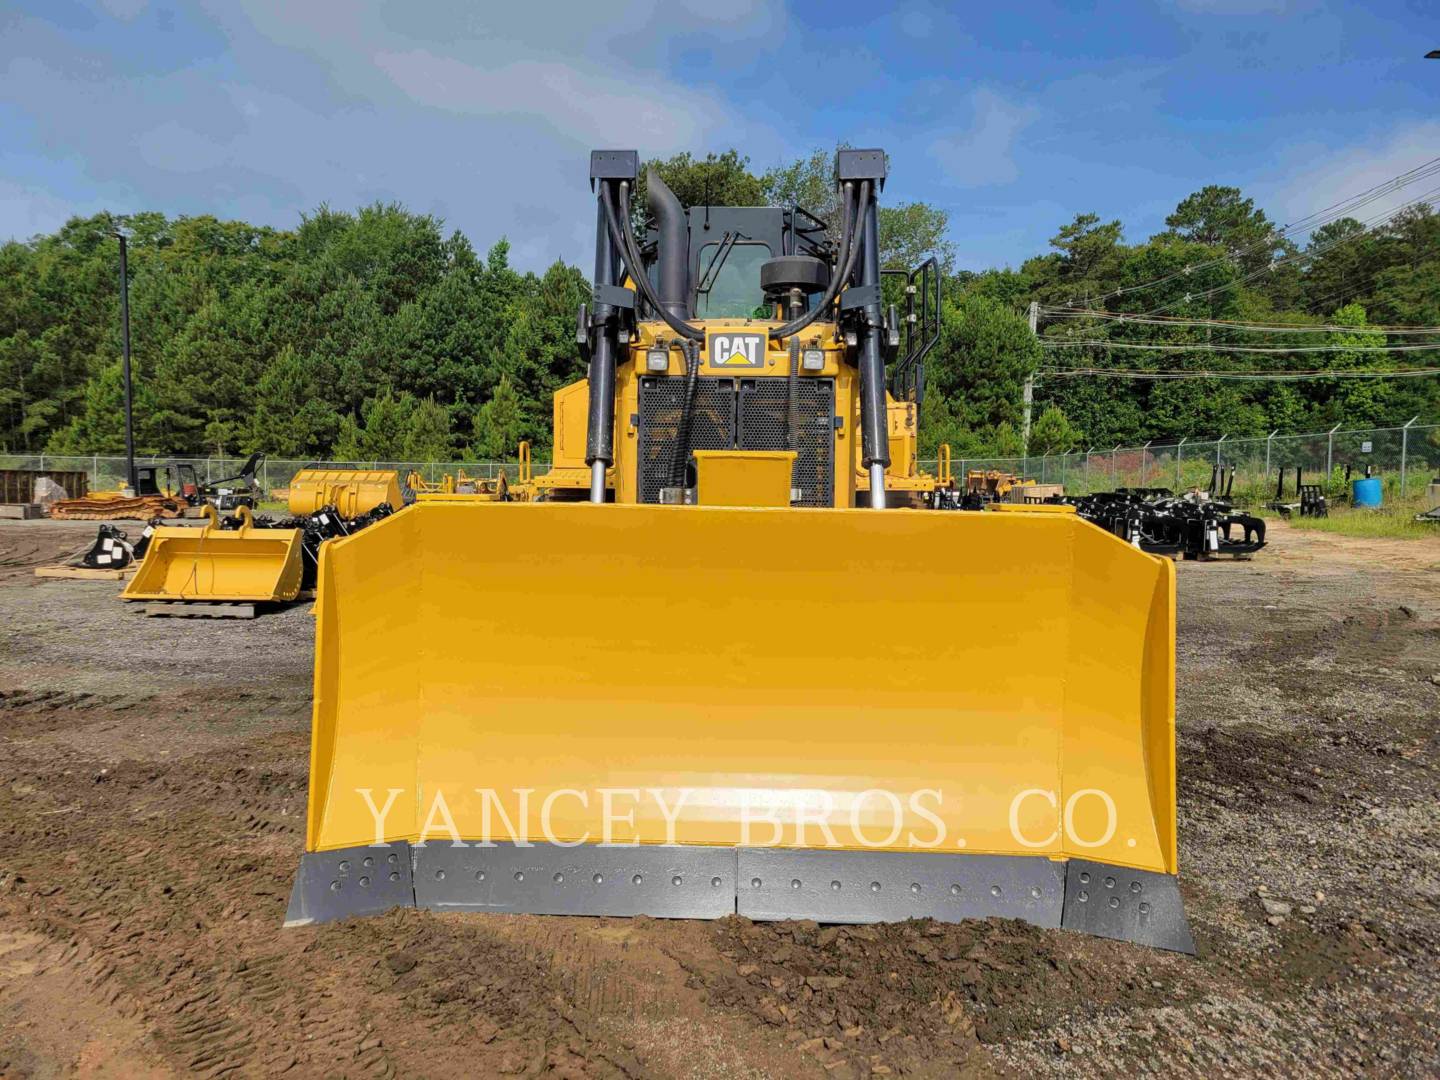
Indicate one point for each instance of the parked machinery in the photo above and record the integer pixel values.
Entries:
(180, 480)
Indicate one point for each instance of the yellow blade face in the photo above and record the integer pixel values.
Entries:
(207, 564)
(899, 680)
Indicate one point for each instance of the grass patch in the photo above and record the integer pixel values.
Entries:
(1398, 522)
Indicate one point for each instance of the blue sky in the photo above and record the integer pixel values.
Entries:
(1012, 117)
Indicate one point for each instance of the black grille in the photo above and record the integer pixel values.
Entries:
(740, 414)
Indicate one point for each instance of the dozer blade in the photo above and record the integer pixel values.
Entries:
(214, 564)
(692, 711)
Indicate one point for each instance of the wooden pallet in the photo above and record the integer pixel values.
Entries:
(83, 573)
(199, 609)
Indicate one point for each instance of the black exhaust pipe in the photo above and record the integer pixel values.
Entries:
(672, 261)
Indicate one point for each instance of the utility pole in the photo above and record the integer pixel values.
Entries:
(1029, 395)
(125, 349)
(1404, 451)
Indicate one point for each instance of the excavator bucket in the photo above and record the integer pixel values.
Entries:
(210, 563)
(840, 715)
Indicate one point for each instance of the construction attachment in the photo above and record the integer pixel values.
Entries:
(351, 492)
(724, 660)
(1197, 525)
(247, 563)
(112, 550)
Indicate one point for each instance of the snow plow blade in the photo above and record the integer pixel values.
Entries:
(842, 715)
(214, 564)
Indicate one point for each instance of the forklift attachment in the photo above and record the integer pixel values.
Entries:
(212, 563)
(785, 713)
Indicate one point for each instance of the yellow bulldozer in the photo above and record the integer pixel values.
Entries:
(703, 669)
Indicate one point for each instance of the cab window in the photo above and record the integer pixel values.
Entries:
(734, 291)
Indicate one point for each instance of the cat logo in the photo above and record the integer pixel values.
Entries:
(731, 350)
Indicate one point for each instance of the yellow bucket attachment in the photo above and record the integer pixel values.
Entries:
(210, 563)
(845, 715)
(351, 491)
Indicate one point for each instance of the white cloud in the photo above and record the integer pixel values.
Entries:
(584, 105)
(482, 114)
(1320, 176)
(26, 211)
(175, 148)
(984, 152)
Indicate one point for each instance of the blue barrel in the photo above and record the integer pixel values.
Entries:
(1365, 491)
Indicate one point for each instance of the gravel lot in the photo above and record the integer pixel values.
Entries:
(152, 799)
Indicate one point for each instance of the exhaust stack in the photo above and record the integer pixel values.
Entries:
(672, 261)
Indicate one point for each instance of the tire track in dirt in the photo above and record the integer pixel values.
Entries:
(163, 886)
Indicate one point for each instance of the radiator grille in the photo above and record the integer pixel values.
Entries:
(740, 414)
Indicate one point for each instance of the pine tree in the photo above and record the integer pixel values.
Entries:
(427, 435)
(498, 423)
(1051, 433)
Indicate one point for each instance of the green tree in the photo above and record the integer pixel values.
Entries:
(715, 180)
(427, 433)
(289, 420)
(1051, 433)
(498, 424)
(1222, 217)
(910, 232)
(979, 366)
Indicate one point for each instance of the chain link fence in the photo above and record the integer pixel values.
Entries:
(107, 472)
(1406, 458)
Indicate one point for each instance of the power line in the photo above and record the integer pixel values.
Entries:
(1238, 376)
(1369, 227)
(1055, 343)
(1179, 321)
(1307, 224)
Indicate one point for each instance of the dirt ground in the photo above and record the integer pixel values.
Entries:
(152, 797)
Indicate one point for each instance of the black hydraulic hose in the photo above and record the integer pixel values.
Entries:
(622, 235)
(845, 263)
(687, 410)
(792, 394)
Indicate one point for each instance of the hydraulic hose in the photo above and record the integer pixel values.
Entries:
(622, 235)
(792, 394)
(844, 263)
(681, 459)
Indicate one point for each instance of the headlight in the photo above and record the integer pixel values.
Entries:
(813, 360)
(657, 360)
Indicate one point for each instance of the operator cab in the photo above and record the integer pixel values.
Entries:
(730, 247)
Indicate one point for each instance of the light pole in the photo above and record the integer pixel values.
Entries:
(121, 234)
